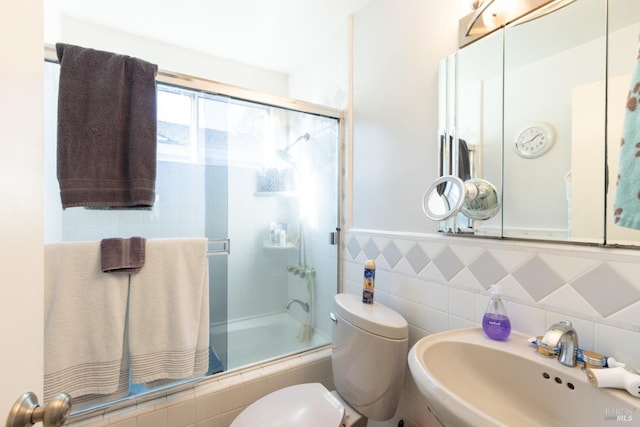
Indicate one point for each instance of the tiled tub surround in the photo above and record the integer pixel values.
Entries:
(217, 401)
(440, 282)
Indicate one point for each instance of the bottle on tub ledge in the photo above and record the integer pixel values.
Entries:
(369, 281)
(495, 322)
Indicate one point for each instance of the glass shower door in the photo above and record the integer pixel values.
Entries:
(263, 176)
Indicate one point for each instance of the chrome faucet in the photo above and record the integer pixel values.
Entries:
(562, 340)
(304, 305)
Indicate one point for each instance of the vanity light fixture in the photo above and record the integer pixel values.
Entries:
(491, 15)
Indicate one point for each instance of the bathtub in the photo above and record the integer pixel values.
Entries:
(262, 338)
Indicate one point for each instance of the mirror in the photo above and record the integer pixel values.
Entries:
(624, 29)
(477, 199)
(540, 104)
(470, 102)
(444, 198)
(554, 125)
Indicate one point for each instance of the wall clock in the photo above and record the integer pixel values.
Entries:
(534, 140)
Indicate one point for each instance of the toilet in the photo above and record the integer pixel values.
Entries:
(368, 357)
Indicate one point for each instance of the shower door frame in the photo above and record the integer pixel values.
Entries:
(242, 94)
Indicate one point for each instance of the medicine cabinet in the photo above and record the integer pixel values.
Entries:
(536, 108)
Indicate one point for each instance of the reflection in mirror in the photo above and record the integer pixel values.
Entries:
(470, 123)
(555, 75)
(482, 201)
(624, 28)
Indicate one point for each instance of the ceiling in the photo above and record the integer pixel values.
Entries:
(271, 34)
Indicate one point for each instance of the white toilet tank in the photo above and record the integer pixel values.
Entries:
(369, 354)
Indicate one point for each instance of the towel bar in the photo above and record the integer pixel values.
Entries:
(226, 247)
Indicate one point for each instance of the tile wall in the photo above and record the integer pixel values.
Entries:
(217, 401)
(441, 282)
(438, 283)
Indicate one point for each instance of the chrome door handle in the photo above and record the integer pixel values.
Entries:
(26, 411)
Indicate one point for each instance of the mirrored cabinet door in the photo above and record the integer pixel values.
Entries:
(554, 125)
(624, 30)
(470, 120)
(479, 118)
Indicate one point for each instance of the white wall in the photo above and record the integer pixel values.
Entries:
(169, 58)
(397, 48)
(21, 192)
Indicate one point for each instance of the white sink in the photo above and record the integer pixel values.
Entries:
(470, 380)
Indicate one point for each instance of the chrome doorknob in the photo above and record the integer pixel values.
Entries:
(26, 411)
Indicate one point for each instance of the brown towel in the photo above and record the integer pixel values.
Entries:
(123, 256)
(106, 129)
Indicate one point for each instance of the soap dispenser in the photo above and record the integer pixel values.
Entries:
(495, 322)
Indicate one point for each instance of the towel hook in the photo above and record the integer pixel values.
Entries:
(26, 411)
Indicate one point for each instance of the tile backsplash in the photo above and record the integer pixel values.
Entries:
(216, 401)
(441, 282)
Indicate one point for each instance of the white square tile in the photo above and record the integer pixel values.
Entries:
(437, 296)
(97, 421)
(182, 414)
(462, 304)
(437, 321)
(414, 290)
(416, 314)
(232, 398)
(526, 319)
(621, 344)
(456, 322)
(208, 406)
(254, 390)
(130, 422)
(153, 419)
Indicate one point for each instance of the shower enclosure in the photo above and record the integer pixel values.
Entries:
(260, 179)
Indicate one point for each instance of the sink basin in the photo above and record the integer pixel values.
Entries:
(470, 380)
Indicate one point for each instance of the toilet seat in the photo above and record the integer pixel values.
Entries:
(309, 405)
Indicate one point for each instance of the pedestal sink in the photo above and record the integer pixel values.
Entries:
(470, 380)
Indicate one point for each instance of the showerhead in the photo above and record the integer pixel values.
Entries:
(284, 153)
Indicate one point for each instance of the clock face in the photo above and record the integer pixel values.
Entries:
(534, 140)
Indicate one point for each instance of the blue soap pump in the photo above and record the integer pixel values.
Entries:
(495, 322)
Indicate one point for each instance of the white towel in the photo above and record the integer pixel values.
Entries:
(85, 311)
(169, 312)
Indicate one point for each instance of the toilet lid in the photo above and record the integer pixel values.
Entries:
(309, 405)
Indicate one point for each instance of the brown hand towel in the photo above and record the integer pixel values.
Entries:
(123, 256)
(106, 129)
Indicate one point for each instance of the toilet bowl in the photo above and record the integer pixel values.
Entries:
(365, 338)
